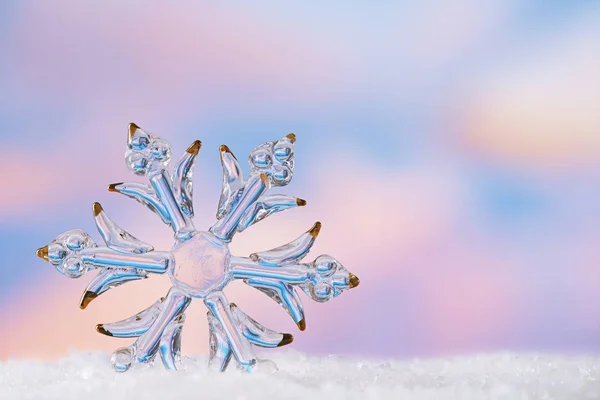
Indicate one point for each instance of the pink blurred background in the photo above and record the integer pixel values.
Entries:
(451, 150)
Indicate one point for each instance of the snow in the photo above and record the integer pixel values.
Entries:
(88, 376)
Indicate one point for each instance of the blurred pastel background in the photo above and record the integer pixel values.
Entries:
(451, 150)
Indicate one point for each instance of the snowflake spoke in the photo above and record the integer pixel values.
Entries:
(245, 268)
(108, 279)
(255, 187)
(256, 333)
(233, 182)
(170, 343)
(284, 295)
(291, 252)
(265, 206)
(133, 326)
(102, 257)
(147, 344)
(182, 179)
(115, 237)
(150, 155)
(142, 194)
(220, 351)
(218, 305)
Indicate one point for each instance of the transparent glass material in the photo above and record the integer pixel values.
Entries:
(200, 264)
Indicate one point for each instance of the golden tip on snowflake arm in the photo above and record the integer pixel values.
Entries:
(353, 281)
(181, 180)
(287, 339)
(131, 129)
(300, 202)
(292, 137)
(100, 329)
(113, 187)
(233, 182)
(194, 147)
(314, 231)
(42, 253)
(97, 208)
(302, 324)
(86, 299)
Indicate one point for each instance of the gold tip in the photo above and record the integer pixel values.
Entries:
(314, 231)
(113, 187)
(87, 299)
(194, 147)
(97, 209)
(100, 329)
(132, 128)
(291, 136)
(302, 324)
(287, 339)
(42, 253)
(224, 149)
(353, 281)
(300, 202)
(265, 179)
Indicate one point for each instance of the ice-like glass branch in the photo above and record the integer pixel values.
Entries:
(133, 326)
(233, 182)
(284, 295)
(144, 195)
(115, 237)
(150, 155)
(170, 343)
(217, 304)
(257, 334)
(220, 351)
(74, 253)
(182, 179)
(160, 330)
(225, 228)
(107, 279)
(291, 252)
(232, 332)
(265, 206)
(241, 203)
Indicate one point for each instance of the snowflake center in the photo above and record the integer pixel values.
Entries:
(201, 264)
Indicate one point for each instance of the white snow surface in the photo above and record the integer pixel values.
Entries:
(88, 376)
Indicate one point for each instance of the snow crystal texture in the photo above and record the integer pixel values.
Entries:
(88, 376)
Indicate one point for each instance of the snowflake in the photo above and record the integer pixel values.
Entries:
(200, 264)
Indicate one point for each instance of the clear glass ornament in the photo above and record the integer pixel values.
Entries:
(200, 264)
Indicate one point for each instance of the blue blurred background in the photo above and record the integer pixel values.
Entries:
(450, 148)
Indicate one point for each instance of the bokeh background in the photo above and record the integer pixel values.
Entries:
(450, 148)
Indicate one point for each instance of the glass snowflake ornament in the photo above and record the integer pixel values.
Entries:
(200, 264)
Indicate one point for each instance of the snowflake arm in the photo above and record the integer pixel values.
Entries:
(182, 179)
(225, 228)
(142, 194)
(149, 155)
(116, 238)
(157, 331)
(242, 202)
(233, 182)
(265, 206)
(124, 259)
